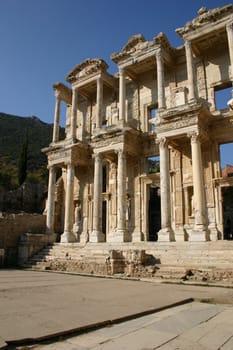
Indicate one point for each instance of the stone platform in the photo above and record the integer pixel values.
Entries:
(197, 261)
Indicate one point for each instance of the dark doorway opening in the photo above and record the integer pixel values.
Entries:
(104, 217)
(154, 213)
(227, 196)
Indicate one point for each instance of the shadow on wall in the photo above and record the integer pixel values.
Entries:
(12, 226)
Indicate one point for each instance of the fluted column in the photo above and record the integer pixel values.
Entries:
(200, 230)
(121, 235)
(68, 236)
(74, 113)
(122, 89)
(50, 201)
(99, 102)
(96, 234)
(160, 79)
(56, 124)
(190, 70)
(229, 28)
(165, 234)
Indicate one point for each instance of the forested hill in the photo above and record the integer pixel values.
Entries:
(15, 131)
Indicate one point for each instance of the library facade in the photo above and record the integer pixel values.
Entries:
(141, 158)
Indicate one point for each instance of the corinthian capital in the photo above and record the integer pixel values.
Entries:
(162, 141)
(229, 26)
(194, 136)
(97, 156)
(159, 54)
(57, 94)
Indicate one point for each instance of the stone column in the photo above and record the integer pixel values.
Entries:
(73, 123)
(68, 236)
(229, 28)
(190, 70)
(56, 117)
(96, 234)
(200, 230)
(160, 79)
(50, 201)
(165, 234)
(121, 235)
(122, 90)
(99, 102)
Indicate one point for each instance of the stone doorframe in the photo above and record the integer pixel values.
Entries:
(147, 181)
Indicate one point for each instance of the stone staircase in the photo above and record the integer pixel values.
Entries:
(193, 261)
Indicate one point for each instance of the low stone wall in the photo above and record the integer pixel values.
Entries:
(12, 226)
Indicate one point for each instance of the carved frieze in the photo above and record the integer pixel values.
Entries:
(178, 123)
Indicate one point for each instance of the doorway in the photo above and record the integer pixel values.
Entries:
(227, 195)
(154, 213)
(104, 217)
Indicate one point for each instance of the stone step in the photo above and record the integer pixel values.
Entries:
(220, 258)
(170, 260)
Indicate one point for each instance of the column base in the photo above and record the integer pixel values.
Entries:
(96, 237)
(84, 237)
(67, 237)
(137, 236)
(165, 235)
(120, 236)
(180, 235)
(196, 235)
(213, 233)
(121, 123)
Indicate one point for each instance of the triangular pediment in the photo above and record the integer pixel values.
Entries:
(134, 42)
(87, 68)
(205, 17)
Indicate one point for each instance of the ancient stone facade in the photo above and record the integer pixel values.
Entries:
(141, 159)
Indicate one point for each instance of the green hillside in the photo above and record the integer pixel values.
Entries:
(14, 131)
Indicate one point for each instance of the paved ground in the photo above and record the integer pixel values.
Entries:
(193, 326)
(39, 304)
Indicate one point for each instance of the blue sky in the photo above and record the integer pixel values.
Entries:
(42, 40)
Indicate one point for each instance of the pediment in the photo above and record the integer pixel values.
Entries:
(87, 68)
(205, 17)
(134, 42)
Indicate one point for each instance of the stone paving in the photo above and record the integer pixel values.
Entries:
(193, 326)
(35, 305)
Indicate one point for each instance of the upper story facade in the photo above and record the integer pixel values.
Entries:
(154, 82)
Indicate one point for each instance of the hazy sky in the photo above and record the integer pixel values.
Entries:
(42, 40)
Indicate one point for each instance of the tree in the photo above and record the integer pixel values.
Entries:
(23, 161)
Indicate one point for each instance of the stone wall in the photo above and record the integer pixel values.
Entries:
(12, 226)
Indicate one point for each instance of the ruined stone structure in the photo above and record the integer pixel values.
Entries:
(141, 159)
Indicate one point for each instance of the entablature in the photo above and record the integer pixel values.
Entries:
(139, 55)
(221, 127)
(64, 92)
(127, 140)
(205, 19)
(183, 120)
(77, 154)
(208, 29)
